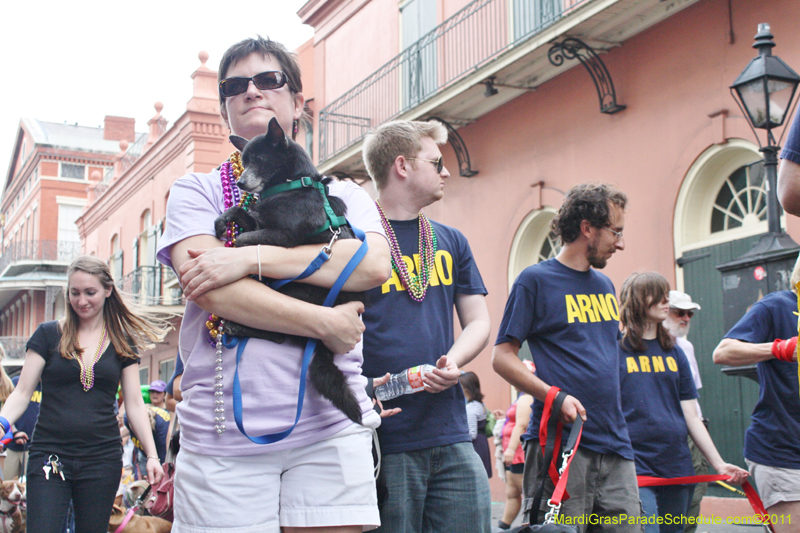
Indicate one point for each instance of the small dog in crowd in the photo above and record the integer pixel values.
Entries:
(290, 219)
(13, 511)
(137, 524)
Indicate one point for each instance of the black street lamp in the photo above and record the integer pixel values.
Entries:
(765, 90)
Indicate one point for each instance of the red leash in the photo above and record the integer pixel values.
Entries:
(750, 492)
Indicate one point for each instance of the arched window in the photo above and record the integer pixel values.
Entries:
(722, 198)
(533, 242)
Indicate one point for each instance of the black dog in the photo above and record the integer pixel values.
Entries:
(290, 219)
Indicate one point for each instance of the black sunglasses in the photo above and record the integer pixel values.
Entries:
(438, 162)
(272, 79)
(683, 312)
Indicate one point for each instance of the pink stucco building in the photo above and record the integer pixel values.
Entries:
(531, 127)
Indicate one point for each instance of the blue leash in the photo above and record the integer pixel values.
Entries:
(231, 342)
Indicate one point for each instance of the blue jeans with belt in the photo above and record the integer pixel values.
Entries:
(437, 489)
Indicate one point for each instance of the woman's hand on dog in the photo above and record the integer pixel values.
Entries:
(154, 471)
(341, 326)
(444, 376)
(213, 268)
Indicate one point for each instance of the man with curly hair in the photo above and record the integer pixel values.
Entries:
(568, 312)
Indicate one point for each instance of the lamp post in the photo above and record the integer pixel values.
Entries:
(764, 91)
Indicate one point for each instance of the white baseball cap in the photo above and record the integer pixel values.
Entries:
(681, 300)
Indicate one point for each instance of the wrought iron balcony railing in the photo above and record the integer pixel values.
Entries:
(150, 285)
(461, 44)
(58, 251)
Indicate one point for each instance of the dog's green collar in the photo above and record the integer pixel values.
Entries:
(333, 223)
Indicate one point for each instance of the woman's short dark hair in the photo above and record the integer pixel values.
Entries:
(587, 201)
(265, 47)
(472, 386)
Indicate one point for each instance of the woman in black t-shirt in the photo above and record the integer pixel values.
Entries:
(75, 451)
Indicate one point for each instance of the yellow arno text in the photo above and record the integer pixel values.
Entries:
(441, 275)
(591, 308)
(647, 363)
(595, 519)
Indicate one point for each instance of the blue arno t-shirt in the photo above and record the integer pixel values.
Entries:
(773, 438)
(402, 333)
(653, 384)
(27, 422)
(570, 320)
(791, 150)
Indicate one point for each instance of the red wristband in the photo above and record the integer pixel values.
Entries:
(784, 350)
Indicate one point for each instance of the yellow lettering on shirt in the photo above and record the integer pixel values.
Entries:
(644, 362)
(585, 304)
(444, 266)
(36, 397)
(672, 364)
(632, 365)
(394, 280)
(441, 274)
(613, 307)
(658, 363)
(572, 310)
(600, 307)
(591, 308)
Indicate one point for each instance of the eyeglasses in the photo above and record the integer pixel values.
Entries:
(438, 162)
(682, 312)
(272, 79)
(617, 234)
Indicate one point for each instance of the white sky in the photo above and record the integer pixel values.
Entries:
(80, 61)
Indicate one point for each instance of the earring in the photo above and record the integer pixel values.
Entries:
(294, 128)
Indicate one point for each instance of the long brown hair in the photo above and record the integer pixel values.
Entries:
(130, 326)
(6, 385)
(638, 293)
(472, 386)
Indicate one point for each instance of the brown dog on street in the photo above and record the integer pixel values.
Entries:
(12, 507)
(137, 524)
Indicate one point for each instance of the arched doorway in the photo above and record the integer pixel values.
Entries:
(719, 215)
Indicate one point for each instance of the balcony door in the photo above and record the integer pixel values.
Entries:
(418, 18)
(531, 16)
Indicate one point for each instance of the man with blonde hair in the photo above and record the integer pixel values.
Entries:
(434, 479)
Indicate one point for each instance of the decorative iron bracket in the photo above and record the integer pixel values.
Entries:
(572, 48)
(464, 167)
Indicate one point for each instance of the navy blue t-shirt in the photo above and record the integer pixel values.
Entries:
(402, 333)
(773, 438)
(162, 418)
(27, 421)
(178, 372)
(653, 384)
(791, 150)
(570, 320)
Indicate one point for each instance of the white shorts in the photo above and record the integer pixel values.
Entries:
(775, 485)
(329, 483)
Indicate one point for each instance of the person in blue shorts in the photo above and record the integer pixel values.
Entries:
(766, 336)
(568, 312)
(658, 401)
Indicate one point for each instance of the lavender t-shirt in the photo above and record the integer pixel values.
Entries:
(269, 373)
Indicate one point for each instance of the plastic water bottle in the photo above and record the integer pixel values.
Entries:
(408, 381)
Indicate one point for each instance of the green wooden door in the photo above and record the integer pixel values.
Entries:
(726, 401)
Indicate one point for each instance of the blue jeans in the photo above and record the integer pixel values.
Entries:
(670, 502)
(437, 489)
(91, 484)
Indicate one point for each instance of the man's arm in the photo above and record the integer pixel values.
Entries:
(734, 352)
(473, 315)
(253, 304)
(789, 186)
(506, 362)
